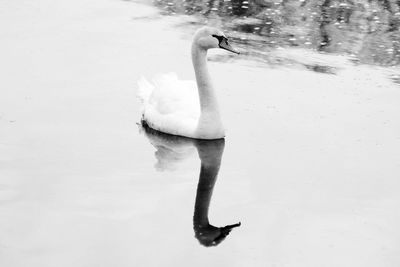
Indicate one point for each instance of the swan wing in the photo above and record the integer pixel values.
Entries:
(172, 95)
(172, 106)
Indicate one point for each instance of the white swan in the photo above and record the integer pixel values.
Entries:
(177, 107)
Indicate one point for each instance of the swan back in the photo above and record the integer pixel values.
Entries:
(170, 105)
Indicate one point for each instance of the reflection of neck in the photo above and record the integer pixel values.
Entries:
(210, 153)
(208, 176)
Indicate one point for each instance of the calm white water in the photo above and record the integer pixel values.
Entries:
(310, 165)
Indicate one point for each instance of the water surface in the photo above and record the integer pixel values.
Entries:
(310, 164)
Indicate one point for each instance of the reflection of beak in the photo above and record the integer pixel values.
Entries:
(225, 45)
(231, 226)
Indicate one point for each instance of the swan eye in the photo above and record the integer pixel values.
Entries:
(219, 37)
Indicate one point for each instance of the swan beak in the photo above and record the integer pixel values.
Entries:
(225, 45)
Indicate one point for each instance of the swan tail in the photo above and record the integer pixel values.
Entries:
(145, 88)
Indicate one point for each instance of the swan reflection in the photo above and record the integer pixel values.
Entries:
(172, 149)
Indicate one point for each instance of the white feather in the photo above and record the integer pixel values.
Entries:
(170, 105)
(144, 90)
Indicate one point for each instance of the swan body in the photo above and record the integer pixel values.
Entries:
(186, 108)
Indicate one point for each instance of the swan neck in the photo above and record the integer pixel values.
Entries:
(207, 95)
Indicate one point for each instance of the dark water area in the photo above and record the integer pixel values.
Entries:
(368, 31)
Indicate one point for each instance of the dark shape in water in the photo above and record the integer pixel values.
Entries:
(321, 68)
(210, 154)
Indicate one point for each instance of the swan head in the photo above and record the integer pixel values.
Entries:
(210, 37)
